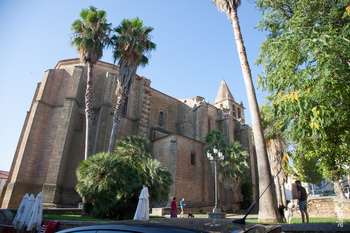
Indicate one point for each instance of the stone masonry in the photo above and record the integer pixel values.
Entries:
(51, 144)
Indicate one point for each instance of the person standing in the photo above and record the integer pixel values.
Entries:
(173, 210)
(182, 205)
(302, 201)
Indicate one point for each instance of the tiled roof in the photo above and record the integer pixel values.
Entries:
(4, 174)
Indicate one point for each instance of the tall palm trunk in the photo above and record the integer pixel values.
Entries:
(228, 202)
(121, 97)
(267, 204)
(126, 78)
(228, 185)
(88, 110)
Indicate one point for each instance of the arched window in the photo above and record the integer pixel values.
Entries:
(161, 119)
(239, 113)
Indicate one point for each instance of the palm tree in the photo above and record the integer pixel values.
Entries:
(90, 36)
(233, 169)
(111, 183)
(215, 139)
(106, 183)
(134, 146)
(267, 205)
(131, 46)
(137, 150)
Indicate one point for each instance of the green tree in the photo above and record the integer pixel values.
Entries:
(268, 208)
(90, 35)
(234, 169)
(306, 67)
(111, 183)
(132, 47)
(305, 169)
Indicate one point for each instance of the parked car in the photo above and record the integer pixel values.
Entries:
(328, 193)
(178, 225)
(318, 193)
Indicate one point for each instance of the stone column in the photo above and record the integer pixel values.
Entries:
(145, 108)
(53, 186)
(103, 129)
(29, 146)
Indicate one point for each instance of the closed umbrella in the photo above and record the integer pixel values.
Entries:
(142, 210)
(27, 209)
(20, 211)
(36, 215)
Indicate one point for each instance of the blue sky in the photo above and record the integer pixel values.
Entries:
(195, 51)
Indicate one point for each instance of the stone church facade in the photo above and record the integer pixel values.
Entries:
(51, 144)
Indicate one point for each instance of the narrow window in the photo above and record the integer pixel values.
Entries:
(125, 107)
(239, 113)
(233, 111)
(80, 122)
(209, 124)
(193, 159)
(161, 119)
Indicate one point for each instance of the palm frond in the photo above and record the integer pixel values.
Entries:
(215, 139)
(227, 5)
(236, 163)
(132, 40)
(90, 34)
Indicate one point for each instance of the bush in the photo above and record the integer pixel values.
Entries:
(247, 192)
(110, 184)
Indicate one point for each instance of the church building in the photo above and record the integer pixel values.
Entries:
(51, 144)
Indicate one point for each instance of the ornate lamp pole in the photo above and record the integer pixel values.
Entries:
(215, 157)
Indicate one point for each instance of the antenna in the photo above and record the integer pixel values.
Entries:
(242, 220)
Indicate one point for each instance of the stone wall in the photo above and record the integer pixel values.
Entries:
(185, 160)
(322, 207)
(52, 141)
(326, 207)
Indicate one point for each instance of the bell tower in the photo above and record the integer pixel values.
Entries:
(225, 101)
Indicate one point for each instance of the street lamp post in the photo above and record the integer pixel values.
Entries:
(215, 157)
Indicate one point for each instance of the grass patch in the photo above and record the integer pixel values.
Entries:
(86, 218)
(79, 217)
(71, 217)
(311, 220)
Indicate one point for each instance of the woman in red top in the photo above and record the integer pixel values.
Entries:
(173, 209)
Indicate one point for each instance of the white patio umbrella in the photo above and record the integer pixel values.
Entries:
(20, 211)
(36, 214)
(142, 210)
(27, 209)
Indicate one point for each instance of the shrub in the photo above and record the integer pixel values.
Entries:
(247, 192)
